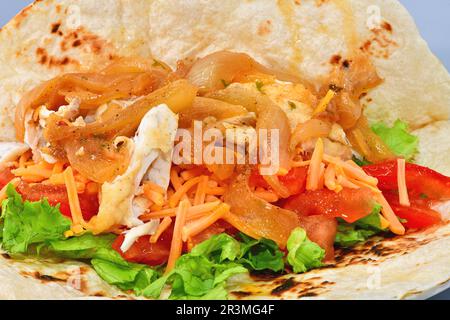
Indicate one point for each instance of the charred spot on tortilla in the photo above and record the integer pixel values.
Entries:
(55, 27)
(6, 256)
(42, 277)
(335, 59)
(265, 28)
(287, 285)
(346, 64)
(52, 61)
(381, 43)
(241, 294)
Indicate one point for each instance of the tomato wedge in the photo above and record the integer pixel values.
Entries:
(142, 251)
(5, 177)
(417, 216)
(57, 194)
(321, 230)
(294, 181)
(419, 180)
(349, 204)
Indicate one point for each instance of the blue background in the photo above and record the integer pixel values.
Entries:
(432, 18)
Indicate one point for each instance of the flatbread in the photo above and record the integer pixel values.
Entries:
(305, 37)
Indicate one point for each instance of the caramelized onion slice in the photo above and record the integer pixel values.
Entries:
(123, 79)
(217, 70)
(206, 107)
(98, 159)
(367, 143)
(178, 95)
(269, 115)
(256, 217)
(313, 128)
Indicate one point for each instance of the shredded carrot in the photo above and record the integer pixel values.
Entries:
(153, 186)
(177, 196)
(177, 241)
(313, 176)
(167, 221)
(193, 211)
(200, 195)
(401, 181)
(154, 196)
(74, 203)
(15, 182)
(394, 224)
(197, 226)
(176, 182)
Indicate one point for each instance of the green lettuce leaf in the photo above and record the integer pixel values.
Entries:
(263, 254)
(81, 247)
(303, 254)
(218, 248)
(350, 234)
(202, 273)
(112, 268)
(27, 223)
(397, 138)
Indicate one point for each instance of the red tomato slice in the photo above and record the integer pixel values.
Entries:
(418, 216)
(142, 251)
(349, 204)
(58, 195)
(419, 180)
(216, 228)
(5, 177)
(294, 181)
(321, 230)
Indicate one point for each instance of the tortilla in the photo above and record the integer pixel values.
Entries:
(305, 37)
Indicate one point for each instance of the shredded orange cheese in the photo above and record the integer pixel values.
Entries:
(330, 178)
(74, 203)
(176, 246)
(153, 186)
(165, 223)
(401, 181)
(193, 212)
(394, 224)
(351, 170)
(323, 104)
(314, 170)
